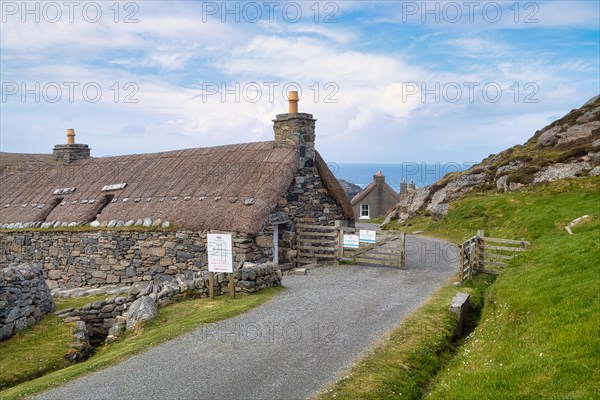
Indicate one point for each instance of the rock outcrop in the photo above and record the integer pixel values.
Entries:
(350, 189)
(567, 148)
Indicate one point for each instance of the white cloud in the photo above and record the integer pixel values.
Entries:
(171, 52)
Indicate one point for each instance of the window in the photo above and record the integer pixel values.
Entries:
(364, 211)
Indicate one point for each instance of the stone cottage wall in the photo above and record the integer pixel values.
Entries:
(24, 298)
(73, 259)
(308, 201)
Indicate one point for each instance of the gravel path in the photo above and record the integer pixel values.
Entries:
(289, 348)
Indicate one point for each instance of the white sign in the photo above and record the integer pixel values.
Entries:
(220, 252)
(351, 241)
(367, 236)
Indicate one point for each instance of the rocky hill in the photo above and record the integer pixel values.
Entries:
(350, 189)
(567, 148)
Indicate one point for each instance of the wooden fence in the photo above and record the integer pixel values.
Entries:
(325, 244)
(389, 250)
(480, 252)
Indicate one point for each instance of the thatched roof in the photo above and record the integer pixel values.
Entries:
(200, 189)
(364, 193)
(334, 186)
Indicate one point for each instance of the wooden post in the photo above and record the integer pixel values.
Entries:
(480, 257)
(471, 263)
(402, 250)
(339, 231)
(232, 284)
(461, 267)
(211, 285)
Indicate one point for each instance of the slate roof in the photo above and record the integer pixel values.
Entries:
(365, 192)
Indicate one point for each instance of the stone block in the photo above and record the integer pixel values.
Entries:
(460, 308)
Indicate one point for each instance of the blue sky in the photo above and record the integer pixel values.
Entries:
(388, 82)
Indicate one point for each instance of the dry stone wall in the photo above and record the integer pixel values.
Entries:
(24, 298)
(101, 316)
(73, 259)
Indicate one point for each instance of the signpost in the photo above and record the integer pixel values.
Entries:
(220, 259)
(367, 236)
(351, 241)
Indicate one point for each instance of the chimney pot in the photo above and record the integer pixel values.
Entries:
(70, 136)
(293, 101)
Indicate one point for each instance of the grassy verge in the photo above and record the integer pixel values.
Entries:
(540, 327)
(75, 302)
(41, 348)
(173, 321)
(402, 365)
(34, 351)
(539, 336)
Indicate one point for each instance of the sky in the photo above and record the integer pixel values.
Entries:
(387, 81)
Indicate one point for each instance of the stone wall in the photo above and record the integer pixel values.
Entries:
(101, 316)
(306, 201)
(24, 298)
(82, 258)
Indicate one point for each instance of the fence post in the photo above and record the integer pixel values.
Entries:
(339, 236)
(480, 247)
(471, 261)
(402, 250)
(461, 267)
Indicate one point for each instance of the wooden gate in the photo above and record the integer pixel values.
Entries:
(389, 251)
(480, 252)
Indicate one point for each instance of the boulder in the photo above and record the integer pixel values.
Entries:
(143, 309)
(560, 171)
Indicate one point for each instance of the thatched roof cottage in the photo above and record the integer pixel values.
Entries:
(251, 189)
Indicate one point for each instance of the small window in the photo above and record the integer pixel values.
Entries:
(364, 211)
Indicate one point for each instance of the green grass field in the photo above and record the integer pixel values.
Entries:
(539, 333)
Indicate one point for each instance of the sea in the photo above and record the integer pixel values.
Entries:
(422, 174)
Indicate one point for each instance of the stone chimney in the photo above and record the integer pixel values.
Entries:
(378, 204)
(297, 129)
(379, 178)
(412, 185)
(67, 153)
(403, 187)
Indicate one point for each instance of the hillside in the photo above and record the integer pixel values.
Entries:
(567, 148)
(538, 334)
(350, 189)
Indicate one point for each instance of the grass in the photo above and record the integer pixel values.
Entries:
(403, 363)
(530, 213)
(540, 325)
(173, 320)
(539, 336)
(76, 302)
(34, 351)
